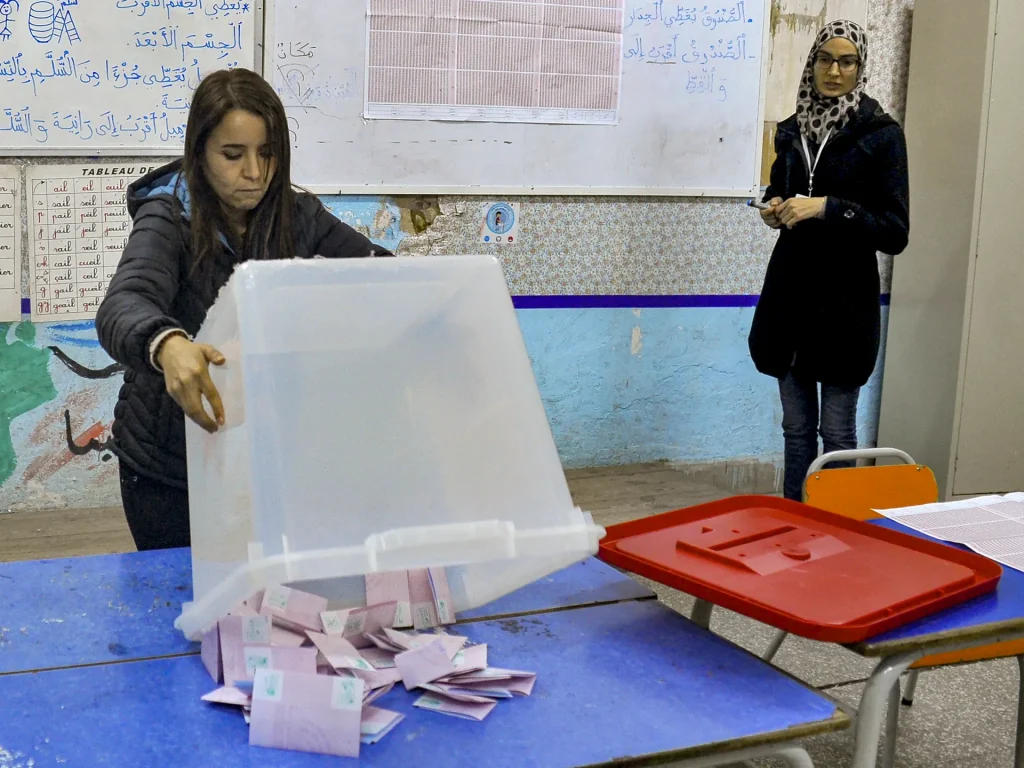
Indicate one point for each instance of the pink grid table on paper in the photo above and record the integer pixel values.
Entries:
(544, 55)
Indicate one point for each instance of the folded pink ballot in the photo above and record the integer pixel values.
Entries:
(370, 620)
(377, 678)
(339, 652)
(371, 696)
(467, 710)
(228, 695)
(209, 652)
(424, 612)
(235, 633)
(379, 658)
(292, 608)
(308, 713)
(284, 659)
(355, 623)
(469, 660)
(333, 622)
(448, 692)
(377, 723)
(442, 596)
(409, 640)
(391, 587)
(423, 665)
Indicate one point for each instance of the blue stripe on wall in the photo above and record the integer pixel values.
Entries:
(608, 302)
(642, 301)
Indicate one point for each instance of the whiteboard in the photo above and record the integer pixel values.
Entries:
(690, 113)
(114, 76)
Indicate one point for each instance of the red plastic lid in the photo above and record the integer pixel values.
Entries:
(801, 569)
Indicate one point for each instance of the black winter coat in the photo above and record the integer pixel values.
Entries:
(151, 291)
(820, 301)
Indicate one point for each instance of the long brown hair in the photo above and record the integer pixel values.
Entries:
(268, 233)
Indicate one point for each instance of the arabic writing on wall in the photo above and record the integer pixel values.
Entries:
(708, 42)
(111, 73)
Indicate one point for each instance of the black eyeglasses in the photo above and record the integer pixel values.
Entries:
(846, 64)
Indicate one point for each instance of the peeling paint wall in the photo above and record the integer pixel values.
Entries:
(666, 378)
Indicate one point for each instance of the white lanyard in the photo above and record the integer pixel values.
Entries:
(807, 154)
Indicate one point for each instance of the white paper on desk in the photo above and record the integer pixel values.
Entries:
(992, 526)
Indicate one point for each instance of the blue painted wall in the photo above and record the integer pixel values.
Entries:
(623, 386)
(620, 386)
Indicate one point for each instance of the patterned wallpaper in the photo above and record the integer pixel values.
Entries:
(650, 246)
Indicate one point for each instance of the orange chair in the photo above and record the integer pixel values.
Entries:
(855, 493)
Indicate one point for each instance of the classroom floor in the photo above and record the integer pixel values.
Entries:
(963, 717)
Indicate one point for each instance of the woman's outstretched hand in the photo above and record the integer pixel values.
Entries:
(186, 367)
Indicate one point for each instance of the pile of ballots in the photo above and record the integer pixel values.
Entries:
(307, 678)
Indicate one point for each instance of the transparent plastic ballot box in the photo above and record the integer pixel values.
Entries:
(381, 415)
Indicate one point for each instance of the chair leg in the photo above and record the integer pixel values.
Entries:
(774, 645)
(1018, 760)
(797, 758)
(892, 727)
(908, 691)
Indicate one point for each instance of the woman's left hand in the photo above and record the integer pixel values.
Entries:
(798, 209)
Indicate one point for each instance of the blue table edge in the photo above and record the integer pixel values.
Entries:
(981, 634)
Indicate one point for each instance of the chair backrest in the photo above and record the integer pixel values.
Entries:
(855, 492)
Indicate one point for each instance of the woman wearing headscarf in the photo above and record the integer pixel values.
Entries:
(838, 194)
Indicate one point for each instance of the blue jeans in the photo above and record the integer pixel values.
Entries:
(801, 425)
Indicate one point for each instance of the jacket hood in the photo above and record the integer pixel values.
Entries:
(167, 182)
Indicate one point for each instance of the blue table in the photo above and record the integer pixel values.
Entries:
(631, 680)
(984, 618)
(992, 618)
(90, 610)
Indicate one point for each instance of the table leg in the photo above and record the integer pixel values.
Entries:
(1018, 759)
(908, 693)
(869, 715)
(892, 727)
(701, 614)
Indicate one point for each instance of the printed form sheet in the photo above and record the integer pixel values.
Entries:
(992, 526)
(10, 244)
(78, 228)
(523, 61)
